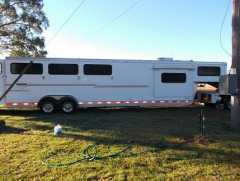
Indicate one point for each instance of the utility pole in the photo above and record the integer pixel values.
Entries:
(235, 68)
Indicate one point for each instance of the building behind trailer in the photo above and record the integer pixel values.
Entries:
(64, 83)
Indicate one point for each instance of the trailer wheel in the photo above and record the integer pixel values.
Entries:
(68, 106)
(47, 106)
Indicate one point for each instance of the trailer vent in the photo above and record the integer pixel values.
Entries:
(165, 59)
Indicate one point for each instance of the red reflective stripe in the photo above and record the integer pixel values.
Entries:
(126, 102)
(21, 104)
(134, 102)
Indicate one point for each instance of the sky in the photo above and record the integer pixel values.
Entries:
(182, 29)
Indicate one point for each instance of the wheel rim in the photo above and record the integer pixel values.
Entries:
(67, 107)
(48, 107)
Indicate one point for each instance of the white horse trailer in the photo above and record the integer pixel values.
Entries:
(65, 84)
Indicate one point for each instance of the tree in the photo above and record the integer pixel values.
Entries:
(21, 25)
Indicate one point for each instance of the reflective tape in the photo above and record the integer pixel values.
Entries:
(163, 103)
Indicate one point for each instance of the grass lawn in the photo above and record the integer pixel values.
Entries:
(162, 142)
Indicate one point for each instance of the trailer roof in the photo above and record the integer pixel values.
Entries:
(159, 60)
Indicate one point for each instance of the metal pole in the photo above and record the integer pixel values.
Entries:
(202, 123)
(235, 68)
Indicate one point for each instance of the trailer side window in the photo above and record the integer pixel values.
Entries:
(173, 77)
(97, 69)
(208, 71)
(35, 68)
(63, 69)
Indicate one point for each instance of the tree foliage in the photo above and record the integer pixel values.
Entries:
(21, 25)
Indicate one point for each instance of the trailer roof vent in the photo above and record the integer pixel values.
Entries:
(165, 59)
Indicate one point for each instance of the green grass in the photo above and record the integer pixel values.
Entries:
(162, 142)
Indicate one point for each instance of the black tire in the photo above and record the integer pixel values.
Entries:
(68, 106)
(47, 106)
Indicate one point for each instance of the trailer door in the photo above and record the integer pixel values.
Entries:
(173, 84)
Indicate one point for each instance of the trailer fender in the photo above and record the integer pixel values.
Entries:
(68, 104)
(68, 98)
(47, 98)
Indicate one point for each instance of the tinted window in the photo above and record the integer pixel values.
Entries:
(35, 68)
(208, 71)
(97, 69)
(63, 69)
(173, 77)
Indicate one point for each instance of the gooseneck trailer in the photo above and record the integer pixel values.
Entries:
(65, 84)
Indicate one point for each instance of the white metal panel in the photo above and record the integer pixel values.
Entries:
(223, 71)
(174, 65)
(60, 80)
(174, 91)
(26, 80)
(132, 80)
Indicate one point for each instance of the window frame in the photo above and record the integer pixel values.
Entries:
(64, 64)
(109, 72)
(26, 73)
(208, 74)
(173, 82)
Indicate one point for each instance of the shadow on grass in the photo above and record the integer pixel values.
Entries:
(9, 129)
(190, 151)
(142, 127)
(143, 124)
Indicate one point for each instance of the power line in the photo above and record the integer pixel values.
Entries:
(135, 3)
(221, 29)
(66, 21)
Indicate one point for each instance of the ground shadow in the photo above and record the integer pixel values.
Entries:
(9, 129)
(130, 123)
(125, 122)
(136, 126)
